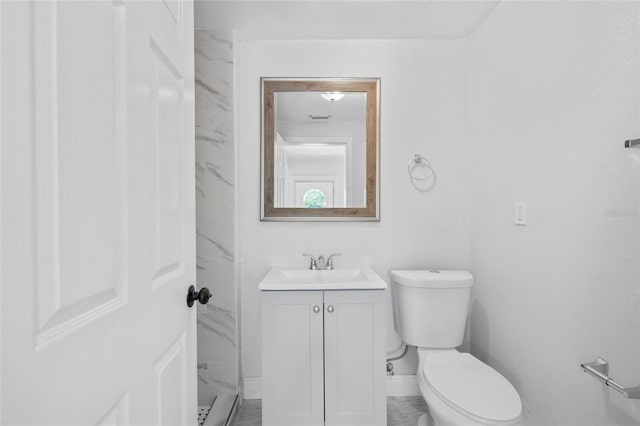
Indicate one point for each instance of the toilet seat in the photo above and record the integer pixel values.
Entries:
(471, 387)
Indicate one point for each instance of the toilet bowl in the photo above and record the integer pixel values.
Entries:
(430, 312)
(461, 390)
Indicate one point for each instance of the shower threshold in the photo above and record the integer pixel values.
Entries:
(222, 411)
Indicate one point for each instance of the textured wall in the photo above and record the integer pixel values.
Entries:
(423, 103)
(215, 221)
(553, 93)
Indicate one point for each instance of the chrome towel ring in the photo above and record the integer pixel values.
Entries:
(420, 163)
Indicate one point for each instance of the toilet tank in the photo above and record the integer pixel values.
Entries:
(430, 307)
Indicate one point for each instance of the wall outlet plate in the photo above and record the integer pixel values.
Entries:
(520, 211)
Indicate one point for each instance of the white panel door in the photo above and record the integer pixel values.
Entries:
(354, 357)
(97, 198)
(292, 359)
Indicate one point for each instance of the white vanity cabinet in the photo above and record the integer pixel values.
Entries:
(323, 358)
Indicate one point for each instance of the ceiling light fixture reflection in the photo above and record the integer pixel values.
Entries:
(332, 96)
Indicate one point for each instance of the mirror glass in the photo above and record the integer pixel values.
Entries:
(320, 149)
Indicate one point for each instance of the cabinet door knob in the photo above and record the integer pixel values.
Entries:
(316, 309)
(330, 309)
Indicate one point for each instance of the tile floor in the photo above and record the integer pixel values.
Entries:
(401, 411)
(203, 412)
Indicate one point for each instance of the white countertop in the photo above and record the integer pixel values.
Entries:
(345, 278)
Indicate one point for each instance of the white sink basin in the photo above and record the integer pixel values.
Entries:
(359, 278)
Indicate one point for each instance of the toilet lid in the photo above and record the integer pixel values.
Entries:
(471, 386)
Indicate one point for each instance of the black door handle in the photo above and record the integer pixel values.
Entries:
(202, 296)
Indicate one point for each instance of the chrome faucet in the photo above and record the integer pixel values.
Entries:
(321, 263)
(312, 264)
(329, 263)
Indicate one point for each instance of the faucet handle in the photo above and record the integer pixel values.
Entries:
(312, 263)
(330, 260)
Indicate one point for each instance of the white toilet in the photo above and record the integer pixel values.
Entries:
(430, 312)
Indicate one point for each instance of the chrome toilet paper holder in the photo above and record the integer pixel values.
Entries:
(600, 370)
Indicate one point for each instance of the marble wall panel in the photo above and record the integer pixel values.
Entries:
(215, 216)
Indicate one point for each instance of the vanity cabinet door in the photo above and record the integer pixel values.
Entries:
(292, 358)
(355, 348)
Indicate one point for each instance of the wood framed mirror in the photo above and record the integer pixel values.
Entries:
(320, 149)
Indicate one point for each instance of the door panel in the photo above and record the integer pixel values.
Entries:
(167, 93)
(79, 150)
(118, 414)
(169, 383)
(175, 9)
(97, 196)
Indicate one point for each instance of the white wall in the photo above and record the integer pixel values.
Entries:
(553, 93)
(424, 98)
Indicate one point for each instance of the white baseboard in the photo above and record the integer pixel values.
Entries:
(402, 385)
(399, 385)
(252, 387)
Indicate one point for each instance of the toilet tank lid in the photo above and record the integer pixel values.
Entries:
(432, 278)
